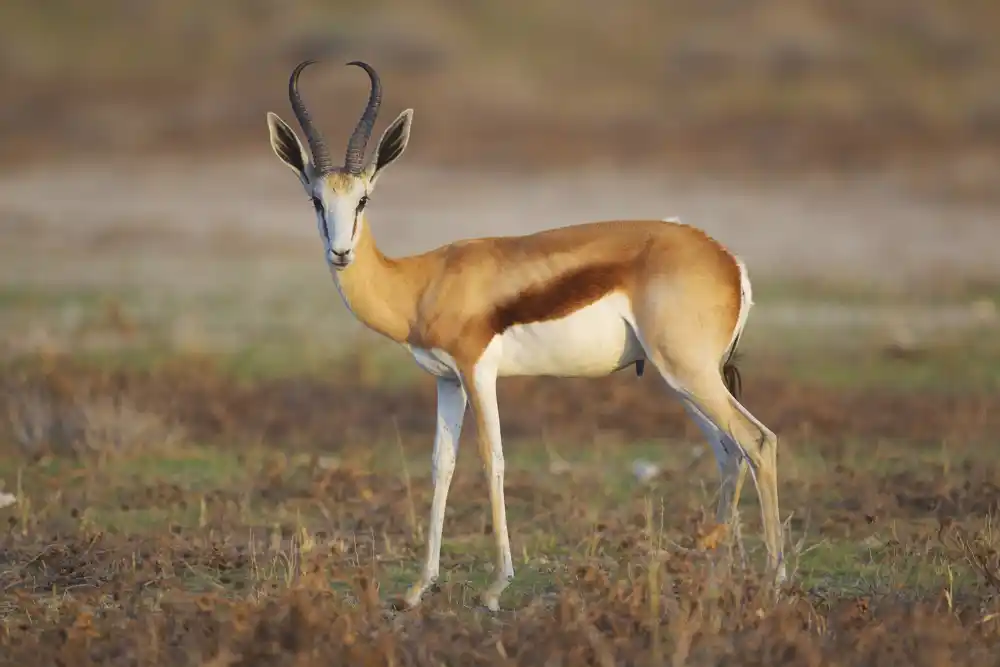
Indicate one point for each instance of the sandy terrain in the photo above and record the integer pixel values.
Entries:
(835, 230)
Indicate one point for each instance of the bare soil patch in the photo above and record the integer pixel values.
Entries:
(174, 515)
(269, 523)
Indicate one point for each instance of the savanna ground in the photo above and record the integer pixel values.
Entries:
(213, 465)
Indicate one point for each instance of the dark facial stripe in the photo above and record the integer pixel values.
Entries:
(357, 213)
(318, 205)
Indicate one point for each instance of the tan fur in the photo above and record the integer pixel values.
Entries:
(339, 182)
(687, 300)
(457, 297)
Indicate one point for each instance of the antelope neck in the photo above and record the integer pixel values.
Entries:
(378, 290)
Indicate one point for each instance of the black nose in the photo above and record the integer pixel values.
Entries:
(341, 254)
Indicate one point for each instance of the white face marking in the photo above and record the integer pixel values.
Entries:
(339, 205)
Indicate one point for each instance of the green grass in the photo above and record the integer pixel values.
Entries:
(862, 565)
(847, 292)
(217, 490)
(876, 569)
(239, 518)
(944, 369)
(260, 334)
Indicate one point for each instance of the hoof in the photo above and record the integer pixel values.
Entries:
(398, 604)
(492, 607)
(416, 593)
(489, 602)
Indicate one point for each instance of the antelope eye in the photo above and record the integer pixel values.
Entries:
(317, 204)
(362, 202)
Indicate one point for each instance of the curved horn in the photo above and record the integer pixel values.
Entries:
(363, 132)
(320, 153)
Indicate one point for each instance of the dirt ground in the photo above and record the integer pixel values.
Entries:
(203, 461)
(175, 516)
(169, 512)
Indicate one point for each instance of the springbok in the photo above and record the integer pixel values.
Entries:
(579, 301)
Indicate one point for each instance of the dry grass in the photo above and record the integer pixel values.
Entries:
(281, 524)
(198, 468)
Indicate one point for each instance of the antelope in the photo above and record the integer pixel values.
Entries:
(584, 300)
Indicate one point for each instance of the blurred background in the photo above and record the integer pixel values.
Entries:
(847, 150)
(760, 84)
(173, 353)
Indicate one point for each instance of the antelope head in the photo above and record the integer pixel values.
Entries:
(338, 194)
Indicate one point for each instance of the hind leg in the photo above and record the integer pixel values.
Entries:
(765, 477)
(734, 501)
(757, 448)
(732, 473)
(744, 438)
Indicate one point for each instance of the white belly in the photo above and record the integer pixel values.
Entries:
(594, 341)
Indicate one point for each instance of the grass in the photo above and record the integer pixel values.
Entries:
(143, 327)
(952, 368)
(261, 487)
(230, 531)
(190, 486)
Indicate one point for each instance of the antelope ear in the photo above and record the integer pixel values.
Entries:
(287, 147)
(392, 144)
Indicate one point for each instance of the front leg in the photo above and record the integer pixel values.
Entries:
(451, 403)
(483, 395)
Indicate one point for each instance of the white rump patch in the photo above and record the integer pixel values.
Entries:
(746, 301)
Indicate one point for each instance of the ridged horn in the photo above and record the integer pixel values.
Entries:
(320, 153)
(363, 131)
